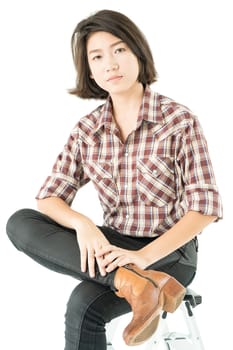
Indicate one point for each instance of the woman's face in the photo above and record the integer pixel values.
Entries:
(113, 65)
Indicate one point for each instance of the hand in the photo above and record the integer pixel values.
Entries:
(113, 257)
(91, 240)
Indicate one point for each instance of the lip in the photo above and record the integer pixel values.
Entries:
(114, 78)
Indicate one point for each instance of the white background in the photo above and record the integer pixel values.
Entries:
(192, 46)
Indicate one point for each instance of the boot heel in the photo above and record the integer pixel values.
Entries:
(173, 294)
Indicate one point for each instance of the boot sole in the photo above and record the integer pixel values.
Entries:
(143, 333)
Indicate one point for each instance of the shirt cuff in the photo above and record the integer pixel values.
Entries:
(205, 199)
(57, 187)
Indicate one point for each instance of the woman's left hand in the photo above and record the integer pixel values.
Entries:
(114, 257)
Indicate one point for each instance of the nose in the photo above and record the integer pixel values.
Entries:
(113, 67)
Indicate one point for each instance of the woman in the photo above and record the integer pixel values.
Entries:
(148, 159)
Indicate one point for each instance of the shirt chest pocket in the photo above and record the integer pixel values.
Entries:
(156, 181)
(101, 174)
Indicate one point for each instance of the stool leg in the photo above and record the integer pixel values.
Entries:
(190, 340)
(194, 334)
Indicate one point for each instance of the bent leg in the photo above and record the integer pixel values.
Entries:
(49, 243)
(55, 247)
(89, 308)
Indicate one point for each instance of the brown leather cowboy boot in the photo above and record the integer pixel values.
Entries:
(148, 292)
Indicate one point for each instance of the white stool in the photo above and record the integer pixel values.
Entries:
(163, 339)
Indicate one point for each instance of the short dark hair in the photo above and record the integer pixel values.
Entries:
(120, 26)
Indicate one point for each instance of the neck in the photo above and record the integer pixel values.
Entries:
(127, 103)
(126, 109)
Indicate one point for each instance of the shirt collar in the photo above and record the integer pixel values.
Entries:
(106, 116)
(150, 111)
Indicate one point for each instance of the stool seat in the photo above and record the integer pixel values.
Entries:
(194, 298)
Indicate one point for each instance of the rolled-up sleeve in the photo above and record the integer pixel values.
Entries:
(67, 174)
(200, 190)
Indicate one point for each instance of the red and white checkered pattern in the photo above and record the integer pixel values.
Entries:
(148, 183)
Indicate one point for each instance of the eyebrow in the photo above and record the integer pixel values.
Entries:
(112, 45)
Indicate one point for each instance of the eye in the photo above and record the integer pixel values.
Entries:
(96, 58)
(120, 50)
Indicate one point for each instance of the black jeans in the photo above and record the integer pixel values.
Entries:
(93, 302)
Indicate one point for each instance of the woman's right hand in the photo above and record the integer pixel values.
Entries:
(90, 240)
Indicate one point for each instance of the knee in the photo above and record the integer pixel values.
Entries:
(83, 305)
(17, 226)
(75, 307)
(85, 324)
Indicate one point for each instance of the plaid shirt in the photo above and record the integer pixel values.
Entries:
(148, 183)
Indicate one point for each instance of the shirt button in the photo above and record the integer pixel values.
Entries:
(126, 154)
(127, 216)
(126, 186)
(155, 172)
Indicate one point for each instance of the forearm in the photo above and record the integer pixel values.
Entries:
(182, 232)
(58, 210)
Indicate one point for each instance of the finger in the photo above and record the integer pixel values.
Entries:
(112, 266)
(120, 261)
(83, 259)
(109, 258)
(91, 262)
(124, 261)
(104, 250)
(98, 247)
(102, 269)
(99, 259)
(118, 253)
